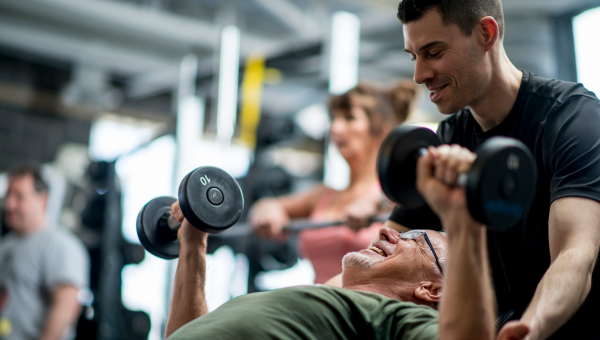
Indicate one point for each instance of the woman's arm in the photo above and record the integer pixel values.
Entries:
(269, 215)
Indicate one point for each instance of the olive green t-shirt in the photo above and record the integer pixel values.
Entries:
(314, 312)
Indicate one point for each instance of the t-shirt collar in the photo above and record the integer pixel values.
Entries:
(516, 110)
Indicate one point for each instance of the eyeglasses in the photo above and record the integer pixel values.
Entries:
(413, 234)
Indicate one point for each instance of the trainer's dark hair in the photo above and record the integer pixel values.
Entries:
(32, 169)
(463, 13)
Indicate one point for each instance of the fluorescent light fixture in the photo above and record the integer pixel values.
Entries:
(343, 75)
(345, 40)
(228, 83)
(188, 71)
(190, 127)
(585, 31)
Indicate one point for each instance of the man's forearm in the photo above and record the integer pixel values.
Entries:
(55, 325)
(467, 309)
(62, 313)
(188, 301)
(559, 294)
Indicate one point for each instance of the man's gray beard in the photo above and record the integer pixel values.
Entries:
(358, 260)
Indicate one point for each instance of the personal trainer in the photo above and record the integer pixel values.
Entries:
(389, 290)
(543, 269)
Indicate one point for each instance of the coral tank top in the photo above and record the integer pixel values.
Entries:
(326, 247)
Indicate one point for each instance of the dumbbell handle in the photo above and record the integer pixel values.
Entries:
(461, 181)
(167, 222)
(172, 223)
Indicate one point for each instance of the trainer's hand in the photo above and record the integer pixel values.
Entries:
(267, 218)
(513, 330)
(189, 237)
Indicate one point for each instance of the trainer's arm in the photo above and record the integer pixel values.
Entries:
(188, 301)
(574, 232)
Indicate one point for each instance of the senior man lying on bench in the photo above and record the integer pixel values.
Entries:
(389, 291)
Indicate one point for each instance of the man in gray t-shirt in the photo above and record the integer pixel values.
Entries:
(41, 268)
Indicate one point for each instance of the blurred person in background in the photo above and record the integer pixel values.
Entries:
(360, 119)
(42, 266)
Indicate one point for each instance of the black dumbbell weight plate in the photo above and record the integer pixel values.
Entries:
(211, 199)
(501, 183)
(160, 242)
(397, 163)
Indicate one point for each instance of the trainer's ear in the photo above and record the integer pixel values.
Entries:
(489, 32)
(429, 292)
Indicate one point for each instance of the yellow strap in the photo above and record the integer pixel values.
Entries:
(251, 98)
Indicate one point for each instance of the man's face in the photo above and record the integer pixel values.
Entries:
(24, 208)
(394, 258)
(449, 63)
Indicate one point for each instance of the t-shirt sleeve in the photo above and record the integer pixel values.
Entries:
(420, 218)
(574, 149)
(65, 262)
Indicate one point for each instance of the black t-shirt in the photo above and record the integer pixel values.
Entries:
(560, 123)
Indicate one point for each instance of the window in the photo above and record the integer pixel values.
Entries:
(587, 48)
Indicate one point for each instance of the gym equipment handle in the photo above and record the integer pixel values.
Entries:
(167, 222)
(172, 223)
(296, 225)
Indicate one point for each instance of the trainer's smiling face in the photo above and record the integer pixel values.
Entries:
(450, 64)
(394, 259)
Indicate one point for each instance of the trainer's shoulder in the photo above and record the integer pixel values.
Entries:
(556, 90)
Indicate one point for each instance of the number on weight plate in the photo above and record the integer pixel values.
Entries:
(204, 180)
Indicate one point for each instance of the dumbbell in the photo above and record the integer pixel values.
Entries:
(210, 199)
(499, 186)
